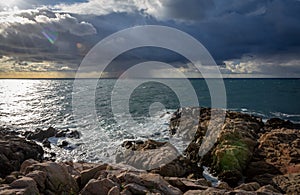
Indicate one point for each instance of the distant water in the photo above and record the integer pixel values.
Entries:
(29, 104)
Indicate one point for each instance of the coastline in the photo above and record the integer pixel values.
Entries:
(249, 157)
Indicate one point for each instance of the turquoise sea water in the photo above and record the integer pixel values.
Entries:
(30, 104)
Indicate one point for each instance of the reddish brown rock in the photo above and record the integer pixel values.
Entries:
(290, 183)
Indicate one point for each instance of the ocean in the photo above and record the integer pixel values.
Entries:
(27, 104)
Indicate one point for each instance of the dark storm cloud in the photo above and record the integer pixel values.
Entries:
(43, 35)
(250, 36)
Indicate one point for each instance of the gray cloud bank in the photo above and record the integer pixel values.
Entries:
(250, 36)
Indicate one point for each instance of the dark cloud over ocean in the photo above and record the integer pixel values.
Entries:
(249, 37)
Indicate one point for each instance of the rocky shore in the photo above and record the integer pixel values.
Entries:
(249, 157)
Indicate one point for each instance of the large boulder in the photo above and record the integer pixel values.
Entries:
(98, 187)
(15, 150)
(57, 180)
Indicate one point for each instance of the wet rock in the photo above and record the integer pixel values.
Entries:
(277, 123)
(46, 143)
(73, 134)
(40, 134)
(14, 151)
(68, 133)
(63, 144)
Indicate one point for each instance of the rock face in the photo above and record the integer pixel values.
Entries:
(246, 147)
(233, 149)
(53, 175)
(14, 151)
(277, 154)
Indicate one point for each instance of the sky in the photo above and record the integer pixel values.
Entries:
(249, 38)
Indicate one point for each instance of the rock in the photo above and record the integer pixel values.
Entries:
(136, 189)
(63, 144)
(241, 192)
(40, 135)
(27, 184)
(261, 167)
(126, 192)
(150, 181)
(234, 141)
(268, 190)
(40, 179)
(180, 167)
(253, 186)
(276, 123)
(264, 179)
(10, 178)
(280, 148)
(73, 134)
(293, 169)
(114, 191)
(96, 187)
(68, 133)
(187, 184)
(87, 175)
(26, 164)
(289, 183)
(209, 191)
(234, 147)
(58, 180)
(46, 143)
(14, 151)
(147, 156)
(224, 185)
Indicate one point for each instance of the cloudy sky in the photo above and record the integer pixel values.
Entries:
(249, 38)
